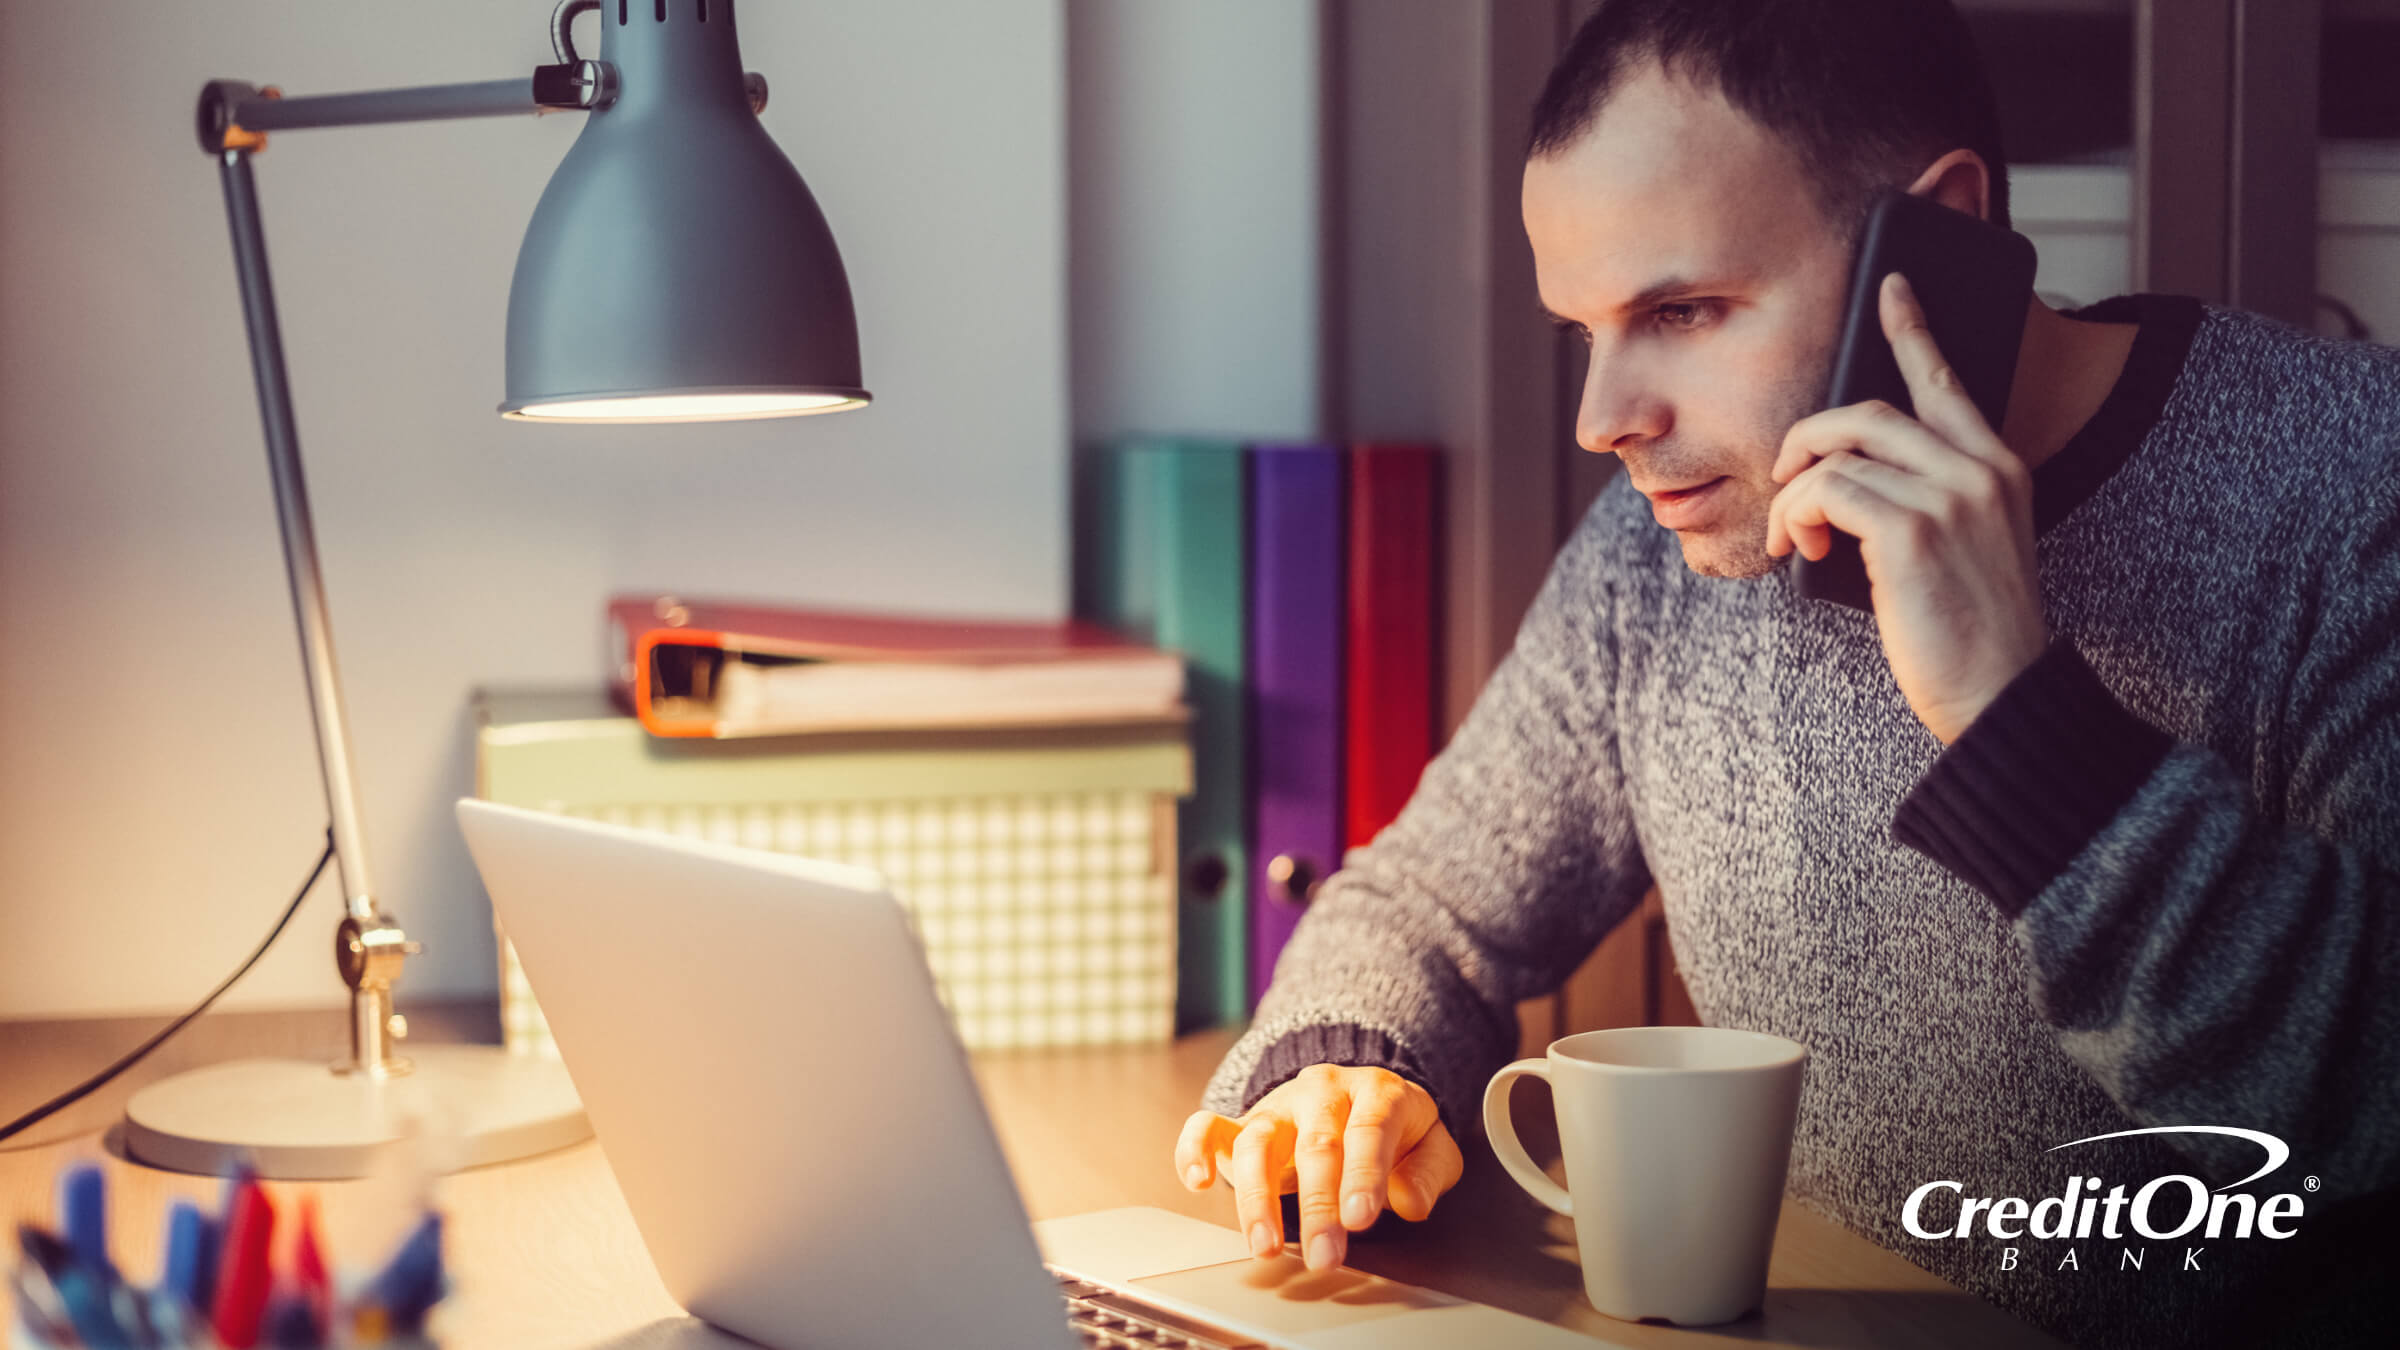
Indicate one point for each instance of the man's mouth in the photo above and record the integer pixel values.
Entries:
(1686, 507)
(1666, 494)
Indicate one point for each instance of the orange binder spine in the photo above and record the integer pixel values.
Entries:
(647, 703)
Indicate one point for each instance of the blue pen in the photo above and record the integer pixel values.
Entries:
(291, 1324)
(191, 1268)
(91, 1309)
(173, 1322)
(411, 1284)
(39, 1308)
(242, 1174)
(83, 1213)
(129, 1308)
(84, 1293)
(78, 1291)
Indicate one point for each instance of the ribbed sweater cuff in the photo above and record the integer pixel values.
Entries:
(1339, 1043)
(2032, 779)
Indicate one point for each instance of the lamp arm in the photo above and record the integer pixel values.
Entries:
(370, 947)
(237, 116)
(419, 103)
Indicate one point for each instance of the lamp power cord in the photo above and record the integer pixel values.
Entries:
(93, 1084)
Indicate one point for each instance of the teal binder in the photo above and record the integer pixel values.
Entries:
(1166, 564)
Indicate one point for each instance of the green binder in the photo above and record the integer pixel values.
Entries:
(1165, 564)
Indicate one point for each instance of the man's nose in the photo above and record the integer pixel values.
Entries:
(1618, 408)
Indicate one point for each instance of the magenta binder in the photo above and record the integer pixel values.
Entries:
(1296, 551)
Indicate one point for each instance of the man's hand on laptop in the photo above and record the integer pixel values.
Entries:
(1349, 1140)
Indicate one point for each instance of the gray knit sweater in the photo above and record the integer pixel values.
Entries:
(2154, 884)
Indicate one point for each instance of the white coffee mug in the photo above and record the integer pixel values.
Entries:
(1675, 1141)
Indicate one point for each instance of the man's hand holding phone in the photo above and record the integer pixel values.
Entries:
(1943, 512)
(1349, 1140)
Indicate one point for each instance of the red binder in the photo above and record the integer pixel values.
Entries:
(1389, 661)
(674, 659)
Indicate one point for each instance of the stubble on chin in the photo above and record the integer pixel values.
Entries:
(1735, 550)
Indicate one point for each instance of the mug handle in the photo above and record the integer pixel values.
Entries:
(1503, 1134)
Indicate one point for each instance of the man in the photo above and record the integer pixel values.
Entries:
(2088, 828)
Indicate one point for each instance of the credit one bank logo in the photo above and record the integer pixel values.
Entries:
(2169, 1208)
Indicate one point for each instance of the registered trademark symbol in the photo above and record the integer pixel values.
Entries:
(2312, 1183)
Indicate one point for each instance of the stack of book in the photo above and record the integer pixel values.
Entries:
(1015, 783)
(1298, 581)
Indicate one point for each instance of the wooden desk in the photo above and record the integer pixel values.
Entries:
(545, 1253)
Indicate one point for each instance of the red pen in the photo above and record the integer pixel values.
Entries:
(243, 1273)
(308, 1267)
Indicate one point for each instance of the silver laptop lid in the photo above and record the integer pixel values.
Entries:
(792, 1120)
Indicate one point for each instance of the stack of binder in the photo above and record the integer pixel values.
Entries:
(1298, 580)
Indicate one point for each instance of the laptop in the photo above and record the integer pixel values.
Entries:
(792, 1121)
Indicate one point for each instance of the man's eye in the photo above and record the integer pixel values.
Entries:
(1681, 314)
(1574, 330)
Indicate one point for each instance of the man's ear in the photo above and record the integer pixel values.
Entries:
(1959, 180)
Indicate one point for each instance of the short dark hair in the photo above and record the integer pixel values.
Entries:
(1867, 92)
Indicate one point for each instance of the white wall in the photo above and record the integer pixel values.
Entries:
(158, 783)
(1195, 221)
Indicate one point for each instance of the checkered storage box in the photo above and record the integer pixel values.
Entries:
(1035, 866)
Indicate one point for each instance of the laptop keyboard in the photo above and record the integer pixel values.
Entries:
(1103, 1317)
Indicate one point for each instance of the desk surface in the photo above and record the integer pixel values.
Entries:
(546, 1255)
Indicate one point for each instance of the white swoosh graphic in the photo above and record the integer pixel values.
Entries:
(2278, 1152)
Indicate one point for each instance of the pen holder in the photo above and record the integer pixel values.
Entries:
(220, 1287)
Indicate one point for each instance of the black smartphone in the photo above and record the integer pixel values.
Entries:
(1974, 281)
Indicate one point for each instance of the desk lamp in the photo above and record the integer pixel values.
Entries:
(676, 270)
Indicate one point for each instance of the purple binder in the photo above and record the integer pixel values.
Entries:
(1296, 522)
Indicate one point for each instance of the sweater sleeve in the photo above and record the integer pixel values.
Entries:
(2214, 946)
(1512, 859)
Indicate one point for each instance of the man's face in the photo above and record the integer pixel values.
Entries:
(1683, 239)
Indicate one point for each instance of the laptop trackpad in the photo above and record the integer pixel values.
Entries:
(1280, 1298)
(1112, 1246)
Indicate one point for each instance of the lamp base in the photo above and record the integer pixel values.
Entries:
(294, 1120)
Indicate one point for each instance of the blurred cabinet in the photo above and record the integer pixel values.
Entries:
(2065, 76)
(2358, 239)
(2358, 170)
(2244, 151)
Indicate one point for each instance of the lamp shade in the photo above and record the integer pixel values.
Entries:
(677, 268)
